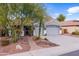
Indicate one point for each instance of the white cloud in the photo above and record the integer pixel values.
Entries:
(73, 10)
(77, 19)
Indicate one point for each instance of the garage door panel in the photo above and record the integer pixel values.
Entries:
(52, 31)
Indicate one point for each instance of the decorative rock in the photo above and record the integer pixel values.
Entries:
(19, 47)
(22, 34)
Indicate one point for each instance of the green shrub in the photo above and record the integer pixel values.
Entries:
(75, 33)
(5, 42)
(36, 38)
(14, 40)
(45, 39)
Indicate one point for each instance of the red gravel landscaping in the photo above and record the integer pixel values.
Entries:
(11, 48)
(45, 43)
(24, 44)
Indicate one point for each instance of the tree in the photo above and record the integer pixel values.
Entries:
(40, 14)
(36, 13)
(3, 17)
(48, 18)
(61, 18)
(11, 13)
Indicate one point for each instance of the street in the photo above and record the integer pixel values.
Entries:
(74, 53)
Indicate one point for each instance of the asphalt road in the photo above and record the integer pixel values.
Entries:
(74, 53)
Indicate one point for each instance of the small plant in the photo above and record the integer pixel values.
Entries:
(5, 42)
(36, 38)
(46, 39)
(75, 33)
(14, 40)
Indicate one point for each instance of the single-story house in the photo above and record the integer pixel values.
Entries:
(50, 28)
(69, 26)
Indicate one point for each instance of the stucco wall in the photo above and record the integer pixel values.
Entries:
(71, 29)
(36, 31)
(50, 30)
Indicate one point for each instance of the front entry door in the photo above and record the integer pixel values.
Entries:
(65, 31)
(27, 30)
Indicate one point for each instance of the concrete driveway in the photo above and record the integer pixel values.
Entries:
(66, 44)
(63, 40)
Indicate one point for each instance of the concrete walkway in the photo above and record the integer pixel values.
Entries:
(66, 44)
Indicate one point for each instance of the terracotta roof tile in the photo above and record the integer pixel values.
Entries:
(69, 23)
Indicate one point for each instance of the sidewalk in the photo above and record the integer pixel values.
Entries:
(67, 44)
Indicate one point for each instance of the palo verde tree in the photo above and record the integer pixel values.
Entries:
(10, 14)
(40, 13)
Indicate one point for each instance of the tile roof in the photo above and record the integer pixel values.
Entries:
(70, 23)
(52, 22)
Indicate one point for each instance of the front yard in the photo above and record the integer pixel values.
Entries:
(23, 45)
(66, 44)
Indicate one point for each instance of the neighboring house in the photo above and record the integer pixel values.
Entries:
(69, 26)
(52, 27)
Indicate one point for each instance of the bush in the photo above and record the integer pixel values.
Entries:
(5, 42)
(36, 38)
(75, 33)
(46, 39)
(14, 40)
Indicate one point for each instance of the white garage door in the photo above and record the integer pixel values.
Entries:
(52, 30)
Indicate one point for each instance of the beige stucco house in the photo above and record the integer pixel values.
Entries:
(67, 27)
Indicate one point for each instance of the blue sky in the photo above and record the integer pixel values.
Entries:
(70, 10)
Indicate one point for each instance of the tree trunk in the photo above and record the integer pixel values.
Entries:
(40, 25)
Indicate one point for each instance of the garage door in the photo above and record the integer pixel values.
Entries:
(52, 30)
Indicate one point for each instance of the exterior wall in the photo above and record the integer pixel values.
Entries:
(70, 29)
(50, 30)
(22, 34)
(36, 31)
(9, 32)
